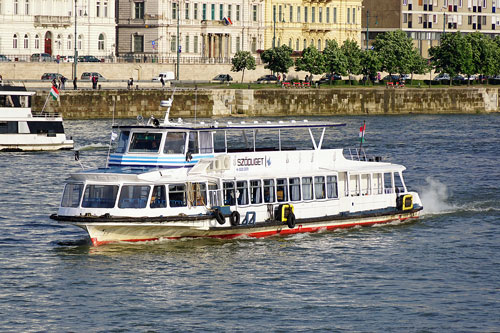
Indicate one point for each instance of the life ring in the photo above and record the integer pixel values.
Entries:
(218, 216)
(290, 220)
(234, 218)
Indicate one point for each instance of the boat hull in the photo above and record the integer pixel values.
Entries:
(106, 232)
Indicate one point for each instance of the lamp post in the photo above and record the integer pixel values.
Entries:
(274, 26)
(178, 45)
(75, 59)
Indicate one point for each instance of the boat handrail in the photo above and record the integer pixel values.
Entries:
(45, 114)
(359, 154)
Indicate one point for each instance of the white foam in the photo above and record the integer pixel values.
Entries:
(434, 197)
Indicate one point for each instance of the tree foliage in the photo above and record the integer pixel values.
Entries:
(395, 49)
(370, 63)
(335, 60)
(312, 61)
(484, 54)
(352, 53)
(278, 60)
(242, 60)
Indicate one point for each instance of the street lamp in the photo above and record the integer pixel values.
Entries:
(274, 26)
(75, 59)
(178, 45)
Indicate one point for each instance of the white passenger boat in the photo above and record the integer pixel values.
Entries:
(172, 180)
(21, 129)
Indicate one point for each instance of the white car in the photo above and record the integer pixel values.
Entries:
(166, 76)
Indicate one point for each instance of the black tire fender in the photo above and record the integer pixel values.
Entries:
(290, 220)
(234, 218)
(219, 217)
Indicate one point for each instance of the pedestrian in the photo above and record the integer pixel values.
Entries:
(54, 82)
(284, 77)
(162, 82)
(306, 79)
(63, 82)
(1, 80)
(279, 78)
(131, 83)
(74, 84)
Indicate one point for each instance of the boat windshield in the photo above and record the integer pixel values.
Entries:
(122, 142)
(174, 143)
(145, 142)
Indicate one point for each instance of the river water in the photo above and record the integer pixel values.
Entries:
(440, 273)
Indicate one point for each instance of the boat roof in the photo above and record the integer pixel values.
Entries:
(241, 125)
(15, 90)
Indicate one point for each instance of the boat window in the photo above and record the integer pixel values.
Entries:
(307, 188)
(331, 187)
(158, 197)
(145, 142)
(269, 190)
(240, 140)
(282, 190)
(193, 147)
(294, 189)
(134, 196)
(122, 142)
(255, 191)
(343, 183)
(266, 139)
(220, 141)
(229, 194)
(214, 195)
(387, 183)
(7, 127)
(197, 194)
(354, 184)
(365, 184)
(100, 196)
(177, 195)
(398, 183)
(319, 187)
(72, 195)
(206, 145)
(377, 183)
(175, 143)
(242, 191)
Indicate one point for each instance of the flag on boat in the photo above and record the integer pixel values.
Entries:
(362, 133)
(54, 93)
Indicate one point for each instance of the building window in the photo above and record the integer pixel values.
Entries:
(290, 43)
(204, 12)
(80, 42)
(221, 12)
(237, 12)
(37, 42)
(186, 11)
(320, 15)
(305, 14)
(298, 14)
(174, 11)
(139, 10)
(290, 19)
(313, 14)
(27, 42)
(354, 15)
(68, 42)
(319, 44)
(229, 11)
(335, 15)
(195, 11)
(98, 9)
(254, 44)
(14, 41)
(16, 7)
(138, 43)
(105, 9)
(187, 44)
(348, 15)
(100, 42)
(327, 14)
(297, 45)
(173, 43)
(58, 41)
(280, 15)
(254, 13)
(195, 44)
(238, 43)
(305, 44)
(213, 12)
(27, 7)
(405, 18)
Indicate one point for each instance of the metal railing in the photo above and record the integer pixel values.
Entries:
(357, 154)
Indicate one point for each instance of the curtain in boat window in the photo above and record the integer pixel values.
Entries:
(229, 193)
(331, 187)
(255, 191)
(242, 192)
(294, 189)
(307, 188)
(282, 189)
(193, 146)
(269, 190)
(319, 187)
(206, 145)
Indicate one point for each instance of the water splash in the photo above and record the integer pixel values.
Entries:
(434, 197)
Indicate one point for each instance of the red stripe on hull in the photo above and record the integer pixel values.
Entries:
(285, 231)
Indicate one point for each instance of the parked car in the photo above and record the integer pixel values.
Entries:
(88, 58)
(3, 58)
(329, 77)
(50, 76)
(165, 75)
(396, 77)
(442, 76)
(43, 57)
(68, 59)
(223, 78)
(267, 79)
(88, 76)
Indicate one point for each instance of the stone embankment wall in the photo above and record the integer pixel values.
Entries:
(95, 104)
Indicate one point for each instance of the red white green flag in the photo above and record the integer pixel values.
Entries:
(54, 93)
(362, 133)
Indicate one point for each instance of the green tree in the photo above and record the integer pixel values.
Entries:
(278, 60)
(418, 64)
(395, 50)
(370, 64)
(312, 61)
(453, 56)
(335, 60)
(352, 52)
(484, 54)
(242, 60)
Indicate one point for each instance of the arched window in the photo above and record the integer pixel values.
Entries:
(37, 42)
(297, 45)
(100, 42)
(70, 38)
(14, 41)
(305, 44)
(26, 41)
(27, 7)
(290, 43)
(59, 42)
(279, 42)
(319, 44)
(312, 42)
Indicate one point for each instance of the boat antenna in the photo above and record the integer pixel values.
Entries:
(168, 104)
(113, 134)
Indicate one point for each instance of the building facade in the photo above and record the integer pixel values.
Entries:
(301, 23)
(29, 26)
(199, 29)
(426, 20)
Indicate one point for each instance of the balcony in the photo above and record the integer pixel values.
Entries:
(52, 21)
(317, 27)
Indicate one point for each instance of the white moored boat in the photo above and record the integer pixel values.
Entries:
(21, 129)
(175, 180)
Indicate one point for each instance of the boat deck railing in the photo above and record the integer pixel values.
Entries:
(357, 154)
(46, 114)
